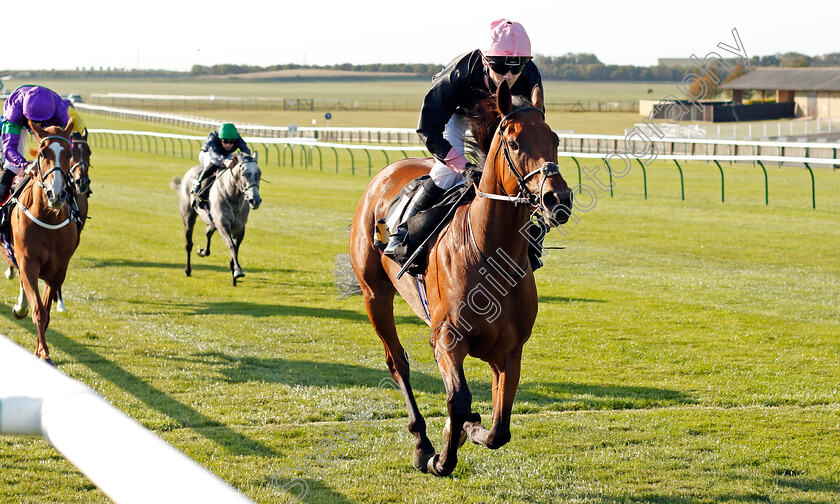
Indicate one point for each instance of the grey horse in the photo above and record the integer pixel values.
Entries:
(232, 196)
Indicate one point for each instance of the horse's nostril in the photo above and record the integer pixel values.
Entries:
(549, 199)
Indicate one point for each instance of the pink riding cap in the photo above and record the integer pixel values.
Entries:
(508, 39)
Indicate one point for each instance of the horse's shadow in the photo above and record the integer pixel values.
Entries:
(302, 489)
(130, 263)
(553, 395)
(182, 414)
(561, 299)
(279, 310)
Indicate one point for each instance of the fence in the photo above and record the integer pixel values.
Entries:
(188, 146)
(572, 146)
(606, 144)
(126, 461)
(781, 130)
(212, 102)
(379, 135)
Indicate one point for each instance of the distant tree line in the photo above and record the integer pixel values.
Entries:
(420, 69)
(571, 66)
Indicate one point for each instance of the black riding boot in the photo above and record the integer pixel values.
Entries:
(199, 178)
(425, 197)
(5, 183)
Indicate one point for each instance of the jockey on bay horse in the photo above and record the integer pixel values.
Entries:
(456, 90)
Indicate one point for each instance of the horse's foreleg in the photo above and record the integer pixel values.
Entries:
(450, 351)
(189, 224)
(40, 314)
(233, 247)
(505, 383)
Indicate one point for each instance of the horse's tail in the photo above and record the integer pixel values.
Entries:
(345, 278)
(175, 183)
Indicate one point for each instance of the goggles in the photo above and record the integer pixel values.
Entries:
(504, 64)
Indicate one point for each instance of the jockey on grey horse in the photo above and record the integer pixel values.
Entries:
(218, 152)
(228, 202)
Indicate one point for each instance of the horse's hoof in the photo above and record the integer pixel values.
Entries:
(10, 273)
(18, 314)
(60, 306)
(431, 466)
(420, 460)
(203, 253)
(50, 362)
(238, 273)
(446, 433)
(188, 272)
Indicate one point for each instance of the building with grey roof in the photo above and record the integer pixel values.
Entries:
(815, 91)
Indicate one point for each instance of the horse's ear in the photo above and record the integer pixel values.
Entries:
(85, 135)
(537, 97)
(70, 124)
(39, 131)
(503, 99)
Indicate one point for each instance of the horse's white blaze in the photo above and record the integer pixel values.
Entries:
(58, 178)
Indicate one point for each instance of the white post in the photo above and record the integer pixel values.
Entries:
(126, 461)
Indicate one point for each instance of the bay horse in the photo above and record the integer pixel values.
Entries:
(80, 182)
(232, 196)
(80, 174)
(482, 297)
(43, 235)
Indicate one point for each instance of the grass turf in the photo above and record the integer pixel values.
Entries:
(685, 351)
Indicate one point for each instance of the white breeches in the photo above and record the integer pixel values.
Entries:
(454, 133)
(206, 161)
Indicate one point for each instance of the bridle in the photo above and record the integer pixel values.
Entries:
(40, 181)
(525, 195)
(241, 175)
(81, 163)
(56, 167)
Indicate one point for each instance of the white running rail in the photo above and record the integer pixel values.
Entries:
(125, 460)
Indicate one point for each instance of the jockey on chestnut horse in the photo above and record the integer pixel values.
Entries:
(477, 291)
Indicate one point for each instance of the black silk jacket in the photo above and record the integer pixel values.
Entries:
(456, 89)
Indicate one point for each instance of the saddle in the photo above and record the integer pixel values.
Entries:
(422, 226)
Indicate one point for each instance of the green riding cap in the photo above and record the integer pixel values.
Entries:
(227, 131)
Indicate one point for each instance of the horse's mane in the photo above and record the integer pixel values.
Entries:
(483, 121)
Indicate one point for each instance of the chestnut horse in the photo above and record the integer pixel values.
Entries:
(43, 234)
(481, 292)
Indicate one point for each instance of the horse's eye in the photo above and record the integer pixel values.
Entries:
(514, 145)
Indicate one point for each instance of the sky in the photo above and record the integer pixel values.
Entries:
(177, 34)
